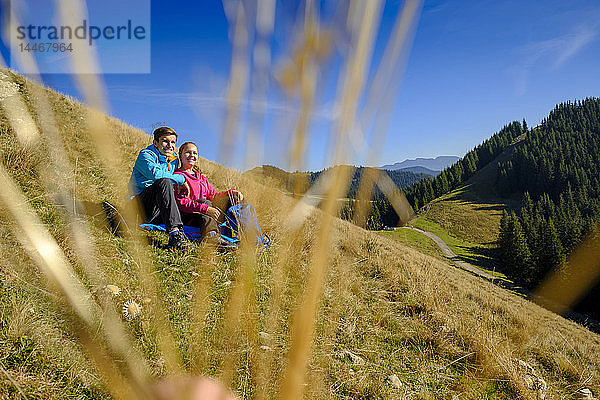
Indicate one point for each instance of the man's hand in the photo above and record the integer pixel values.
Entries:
(213, 212)
(183, 190)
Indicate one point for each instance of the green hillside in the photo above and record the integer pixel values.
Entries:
(557, 174)
(470, 214)
(349, 313)
(528, 209)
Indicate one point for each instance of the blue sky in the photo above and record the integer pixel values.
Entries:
(473, 67)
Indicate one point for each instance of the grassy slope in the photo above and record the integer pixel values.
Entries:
(416, 240)
(440, 330)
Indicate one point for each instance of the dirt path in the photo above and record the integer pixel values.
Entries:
(460, 263)
(591, 324)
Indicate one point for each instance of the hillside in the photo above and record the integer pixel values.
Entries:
(271, 175)
(471, 214)
(330, 310)
(472, 211)
(556, 173)
(536, 202)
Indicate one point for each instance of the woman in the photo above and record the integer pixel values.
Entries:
(202, 207)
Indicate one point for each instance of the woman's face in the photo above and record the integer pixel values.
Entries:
(189, 156)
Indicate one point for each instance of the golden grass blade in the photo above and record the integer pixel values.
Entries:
(261, 56)
(58, 178)
(90, 85)
(272, 313)
(396, 197)
(45, 252)
(563, 288)
(71, 13)
(304, 319)
(199, 343)
(41, 247)
(238, 80)
(390, 70)
(241, 325)
(238, 87)
(85, 251)
(381, 92)
(16, 111)
(303, 64)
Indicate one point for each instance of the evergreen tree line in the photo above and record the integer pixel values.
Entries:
(381, 213)
(402, 179)
(428, 189)
(557, 168)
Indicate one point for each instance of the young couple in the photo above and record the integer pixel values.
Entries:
(171, 190)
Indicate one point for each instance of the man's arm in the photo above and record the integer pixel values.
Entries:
(149, 167)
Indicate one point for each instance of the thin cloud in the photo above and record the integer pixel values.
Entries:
(561, 48)
(214, 102)
(434, 6)
(554, 52)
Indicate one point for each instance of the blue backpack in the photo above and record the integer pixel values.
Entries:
(241, 223)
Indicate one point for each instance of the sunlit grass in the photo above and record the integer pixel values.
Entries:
(328, 311)
(416, 240)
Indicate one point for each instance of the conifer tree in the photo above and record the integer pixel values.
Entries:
(515, 254)
(550, 251)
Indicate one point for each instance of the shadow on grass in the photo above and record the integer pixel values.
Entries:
(492, 208)
(481, 257)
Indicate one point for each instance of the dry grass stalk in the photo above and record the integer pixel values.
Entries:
(304, 320)
(93, 90)
(453, 321)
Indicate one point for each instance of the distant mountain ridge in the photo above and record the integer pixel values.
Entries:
(437, 164)
(287, 180)
(419, 170)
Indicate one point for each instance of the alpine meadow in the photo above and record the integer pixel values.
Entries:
(356, 297)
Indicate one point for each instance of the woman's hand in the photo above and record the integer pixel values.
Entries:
(238, 197)
(213, 212)
(183, 190)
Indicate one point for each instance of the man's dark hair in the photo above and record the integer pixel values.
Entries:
(162, 131)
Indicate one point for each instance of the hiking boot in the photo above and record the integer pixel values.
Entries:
(224, 245)
(178, 241)
(214, 239)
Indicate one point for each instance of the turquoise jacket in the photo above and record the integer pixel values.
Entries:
(151, 166)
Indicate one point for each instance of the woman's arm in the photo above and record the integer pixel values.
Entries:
(189, 205)
(185, 201)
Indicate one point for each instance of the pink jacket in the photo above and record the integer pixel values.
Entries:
(199, 189)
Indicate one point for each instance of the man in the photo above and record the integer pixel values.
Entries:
(152, 181)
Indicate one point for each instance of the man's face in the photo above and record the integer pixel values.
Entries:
(166, 145)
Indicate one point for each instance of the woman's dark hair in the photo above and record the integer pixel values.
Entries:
(184, 145)
(162, 131)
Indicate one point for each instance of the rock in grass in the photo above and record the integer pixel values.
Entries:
(533, 382)
(395, 381)
(113, 289)
(586, 394)
(356, 359)
(264, 335)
